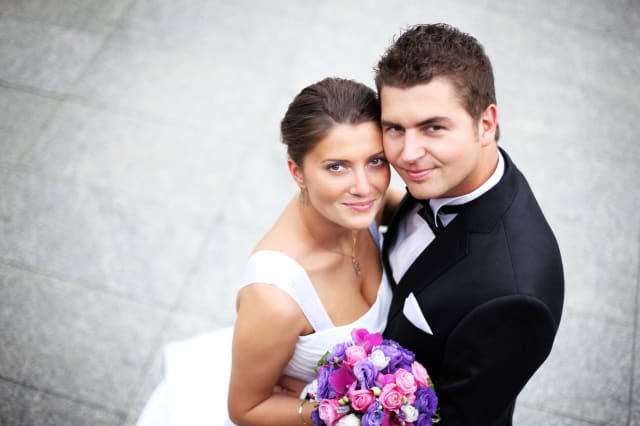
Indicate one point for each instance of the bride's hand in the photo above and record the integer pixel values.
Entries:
(289, 386)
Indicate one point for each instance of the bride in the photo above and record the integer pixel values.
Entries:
(312, 278)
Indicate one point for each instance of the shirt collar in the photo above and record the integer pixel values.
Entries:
(436, 203)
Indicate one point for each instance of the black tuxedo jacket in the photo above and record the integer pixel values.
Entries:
(491, 287)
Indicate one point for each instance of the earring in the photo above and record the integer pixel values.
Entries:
(301, 197)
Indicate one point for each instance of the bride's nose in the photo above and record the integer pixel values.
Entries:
(360, 185)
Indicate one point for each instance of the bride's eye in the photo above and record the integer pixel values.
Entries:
(335, 167)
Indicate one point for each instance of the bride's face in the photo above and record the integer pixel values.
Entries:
(346, 175)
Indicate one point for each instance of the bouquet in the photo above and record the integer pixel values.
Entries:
(372, 382)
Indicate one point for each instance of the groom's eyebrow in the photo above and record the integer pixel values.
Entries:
(433, 120)
(426, 122)
(387, 123)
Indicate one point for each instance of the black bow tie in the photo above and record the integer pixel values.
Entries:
(434, 221)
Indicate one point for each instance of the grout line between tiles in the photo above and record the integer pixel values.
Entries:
(57, 394)
(634, 344)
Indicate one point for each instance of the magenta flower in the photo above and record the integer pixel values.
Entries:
(368, 341)
(341, 380)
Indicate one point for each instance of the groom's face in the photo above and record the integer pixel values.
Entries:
(431, 140)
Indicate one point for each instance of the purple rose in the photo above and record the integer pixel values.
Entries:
(407, 358)
(338, 351)
(426, 401)
(424, 419)
(399, 357)
(325, 390)
(374, 415)
(315, 417)
(366, 373)
(394, 355)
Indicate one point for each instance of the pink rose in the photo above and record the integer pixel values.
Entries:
(354, 354)
(329, 411)
(361, 399)
(405, 381)
(420, 374)
(391, 397)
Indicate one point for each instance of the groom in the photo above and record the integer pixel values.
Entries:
(476, 270)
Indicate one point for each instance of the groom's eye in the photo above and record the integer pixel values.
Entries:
(433, 128)
(393, 130)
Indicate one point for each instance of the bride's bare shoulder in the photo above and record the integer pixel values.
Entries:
(285, 236)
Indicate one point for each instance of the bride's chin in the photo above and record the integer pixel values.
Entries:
(360, 223)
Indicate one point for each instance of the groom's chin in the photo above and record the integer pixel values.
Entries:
(419, 192)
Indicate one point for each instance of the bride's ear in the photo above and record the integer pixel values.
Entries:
(296, 173)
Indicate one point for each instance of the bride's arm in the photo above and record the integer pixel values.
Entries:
(268, 324)
(290, 386)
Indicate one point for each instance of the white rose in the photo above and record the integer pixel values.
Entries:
(310, 389)
(350, 420)
(410, 413)
(378, 359)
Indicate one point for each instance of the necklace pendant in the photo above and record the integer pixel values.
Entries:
(356, 265)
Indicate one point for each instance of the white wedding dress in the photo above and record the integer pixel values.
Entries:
(194, 389)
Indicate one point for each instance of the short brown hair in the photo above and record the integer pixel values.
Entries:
(424, 52)
(319, 107)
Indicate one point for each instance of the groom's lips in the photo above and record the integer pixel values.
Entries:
(417, 175)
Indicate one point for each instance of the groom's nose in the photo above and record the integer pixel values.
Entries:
(412, 146)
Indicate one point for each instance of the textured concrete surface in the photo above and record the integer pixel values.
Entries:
(140, 162)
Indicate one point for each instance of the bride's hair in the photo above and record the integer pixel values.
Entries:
(322, 105)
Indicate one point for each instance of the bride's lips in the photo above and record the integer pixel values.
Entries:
(417, 175)
(361, 206)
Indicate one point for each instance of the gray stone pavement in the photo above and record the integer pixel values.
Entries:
(140, 162)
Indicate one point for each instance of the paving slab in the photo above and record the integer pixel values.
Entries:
(98, 236)
(73, 341)
(130, 154)
(171, 64)
(43, 56)
(90, 15)
(587, 376)
(22, 116)
(25, 406)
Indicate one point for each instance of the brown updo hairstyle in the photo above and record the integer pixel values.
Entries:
(319, 107)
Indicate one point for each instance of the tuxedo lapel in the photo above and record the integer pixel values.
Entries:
(444, 251)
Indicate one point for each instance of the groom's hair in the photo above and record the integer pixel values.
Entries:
(424, 52)
(321, 106)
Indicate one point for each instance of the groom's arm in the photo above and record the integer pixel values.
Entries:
(490, 356)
